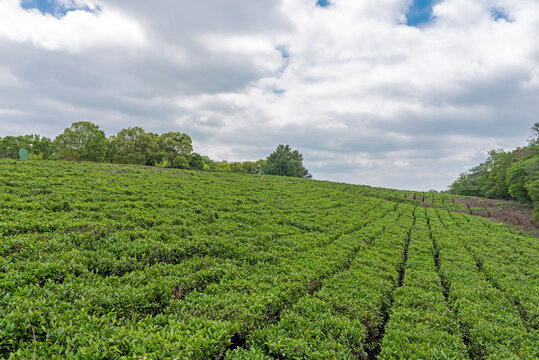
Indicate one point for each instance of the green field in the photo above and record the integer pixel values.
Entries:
(100, 261)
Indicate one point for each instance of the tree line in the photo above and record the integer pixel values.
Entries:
(85, 141)
(509, 175)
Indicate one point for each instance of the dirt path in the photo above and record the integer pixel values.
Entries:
(518, 216)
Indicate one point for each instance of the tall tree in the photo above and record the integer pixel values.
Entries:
(285, 162)
(82, 141)
(196, 161)
(10, 146)
(134, 146)
(535, 133)
(507, 175)
(38, 147)
(41, 147)
(175, 144)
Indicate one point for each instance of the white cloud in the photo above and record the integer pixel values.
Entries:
(259, 48)
(364, 97)
(76, 31)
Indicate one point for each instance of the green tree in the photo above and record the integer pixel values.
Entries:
(42, 147)
(285, 162)
(82, 141)
(156, 154)
(196, 161)
(533, 191)
(247, 167)
(535, 134)
(495, 185)
(38, 147)
(181, 162)
(505, 175)
(517, 178)
(175, 144)
(135, 146)
(223, 166)
(468, 182)
(10, 146)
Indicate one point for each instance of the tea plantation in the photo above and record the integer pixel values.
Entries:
(100, 261)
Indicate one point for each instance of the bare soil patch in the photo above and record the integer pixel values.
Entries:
(517, 216)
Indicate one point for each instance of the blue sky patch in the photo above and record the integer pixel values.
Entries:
(499, 14)
(286, 57)
(420, 12)
(323, 3)
(53, 7)
(283, 50)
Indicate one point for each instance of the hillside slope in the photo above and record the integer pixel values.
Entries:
(99, 261)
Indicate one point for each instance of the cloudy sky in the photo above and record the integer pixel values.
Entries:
(394, 93)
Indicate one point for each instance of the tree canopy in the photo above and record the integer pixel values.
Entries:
(85, 141)
(38, 147)
(176, 144)
(511, 175)
(82, 141)
(135, 146)
(284, 162)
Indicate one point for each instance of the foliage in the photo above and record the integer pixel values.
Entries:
(175, 144)
(504, 175)
(82, 141)
(196, 161)
(533, 190)
(38, 147)
(517, 178)
(107, 261)
(135, 146)
(180, 162)
(422, 325)
(284, 162)
(248, 167)
(493, 298)
(85, 141)
(223, 166)
(42, 147)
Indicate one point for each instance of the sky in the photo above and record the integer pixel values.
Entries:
(393, 93)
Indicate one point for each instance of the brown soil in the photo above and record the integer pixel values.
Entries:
(518, 216)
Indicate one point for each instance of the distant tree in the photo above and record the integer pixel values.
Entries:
(135, 146)
(82, 141)
(523, 178)
(223, 166)
(468, 183)
(10, 146)
(535, 134)
(126, 146)
(209, 164)
(494, 185)
(246, 167)
(196, 161)
(181, 162)
(42, 147)
(252, 167)
(175, 144)
(533, 191)
(38, 147)
(505, 175)
(285, 162)
(236, 166)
